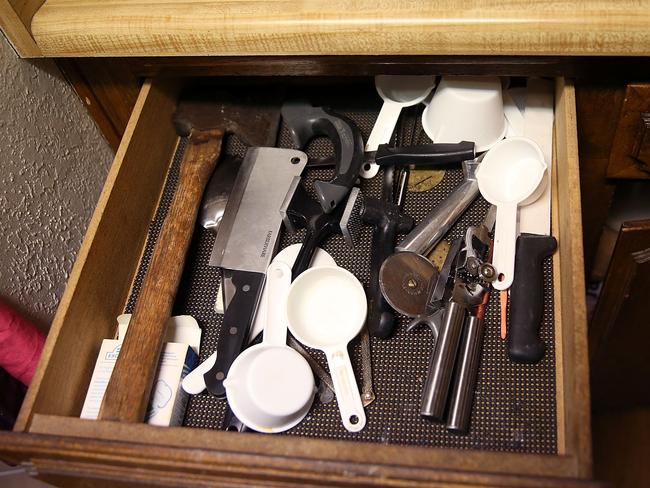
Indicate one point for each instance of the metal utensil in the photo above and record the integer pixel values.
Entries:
(438, 222)
(535, 241)
(406, 279)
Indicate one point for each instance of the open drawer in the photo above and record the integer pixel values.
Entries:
(50, 435)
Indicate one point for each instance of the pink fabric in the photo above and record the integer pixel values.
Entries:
(21, 344)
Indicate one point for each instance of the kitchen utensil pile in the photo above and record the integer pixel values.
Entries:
(503, 149)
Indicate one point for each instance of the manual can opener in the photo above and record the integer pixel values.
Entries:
(460, 289)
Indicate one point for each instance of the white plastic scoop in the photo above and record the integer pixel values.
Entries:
(512, 173)
(397, 92)
(326, 309)
(270, 387)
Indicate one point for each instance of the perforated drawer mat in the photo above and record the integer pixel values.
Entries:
(514, 406)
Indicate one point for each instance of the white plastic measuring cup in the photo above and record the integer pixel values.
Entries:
(397, 92)
(326, 309)
(194, 383)
(270, 387)
(512, 173)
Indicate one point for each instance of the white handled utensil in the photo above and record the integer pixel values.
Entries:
(326, 309)
(512, 173)
(397, 92)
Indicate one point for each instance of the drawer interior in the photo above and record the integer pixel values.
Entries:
(522, 409)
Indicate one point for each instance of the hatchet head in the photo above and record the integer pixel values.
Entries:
(252, 118)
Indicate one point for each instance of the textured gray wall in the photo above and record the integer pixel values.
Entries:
(53, 162)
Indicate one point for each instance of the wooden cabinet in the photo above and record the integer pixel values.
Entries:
(163, 40)
(49, 434)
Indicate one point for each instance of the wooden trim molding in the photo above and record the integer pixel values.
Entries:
(15, 22)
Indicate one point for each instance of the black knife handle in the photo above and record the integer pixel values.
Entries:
(241, 293)
(306, 122)
(527, 298)
(425, 155)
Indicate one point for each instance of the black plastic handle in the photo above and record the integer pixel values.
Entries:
(527, 298)
(388, 221)
(313, 238)
(306, 122)
(241, 293)
(440, 154)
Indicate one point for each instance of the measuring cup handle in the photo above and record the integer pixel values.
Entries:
(384, 125)
(278, 281)
(505, 240)
(346, 389)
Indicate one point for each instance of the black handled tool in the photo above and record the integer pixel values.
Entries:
(388, 220)
(527, 298)
(439, 154)
(306, 122)
(299, 210)
(304, 212)
(241, 293)
(248, 236)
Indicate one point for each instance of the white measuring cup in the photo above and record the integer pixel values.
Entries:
(270, 387)
(326, 309)
(512, 173)
(194, 383)
(397, 92)
(288, 256)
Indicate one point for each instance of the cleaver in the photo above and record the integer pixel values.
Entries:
(245, 244)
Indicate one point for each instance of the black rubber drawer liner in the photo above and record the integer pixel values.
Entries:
(515, 405)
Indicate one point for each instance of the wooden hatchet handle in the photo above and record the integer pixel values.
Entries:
(128, 391)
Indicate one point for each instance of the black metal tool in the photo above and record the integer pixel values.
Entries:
(321, 218)
(306, 122)
(438, 155)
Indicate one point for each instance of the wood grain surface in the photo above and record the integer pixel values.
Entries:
(375, 27)
(107, 261)
(15, 19)
(127, 394)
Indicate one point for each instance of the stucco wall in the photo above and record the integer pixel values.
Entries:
(53, 162)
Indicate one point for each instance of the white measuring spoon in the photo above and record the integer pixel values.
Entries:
(326, 309)
(512, 173)
(270, 387)
(397, 92)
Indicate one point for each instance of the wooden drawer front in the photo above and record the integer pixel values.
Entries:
(49, 433)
